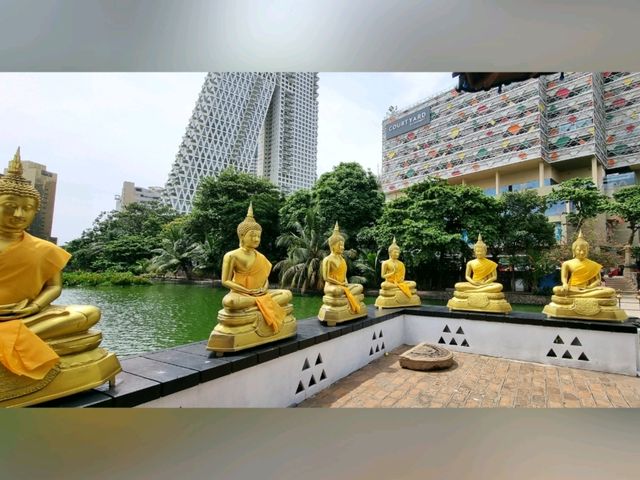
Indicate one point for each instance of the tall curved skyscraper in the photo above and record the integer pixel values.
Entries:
(264, 123)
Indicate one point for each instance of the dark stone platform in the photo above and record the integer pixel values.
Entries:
(152, 375)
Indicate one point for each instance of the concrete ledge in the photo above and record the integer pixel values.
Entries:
(286, 372)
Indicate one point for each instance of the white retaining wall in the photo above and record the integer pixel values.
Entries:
(290, 379)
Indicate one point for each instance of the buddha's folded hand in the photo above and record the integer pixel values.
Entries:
(26, 311)
(11, 309)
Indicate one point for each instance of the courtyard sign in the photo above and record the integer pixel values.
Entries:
(407, 123)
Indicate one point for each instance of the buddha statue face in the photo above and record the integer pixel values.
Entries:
(394, 253)
(337, 247)
(16, 212)
(251, 239)
(580, 250)
(480, 250)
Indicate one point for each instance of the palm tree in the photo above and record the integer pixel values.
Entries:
(364, 267)
(176, 253)
(207, 256)
(305, 244)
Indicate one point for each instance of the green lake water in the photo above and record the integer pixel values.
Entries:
(141, 319)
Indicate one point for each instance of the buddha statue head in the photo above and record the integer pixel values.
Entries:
(394, 250)
(336, 241)
(19, 200)
(580, 247)
(249, 231)
(480, 248)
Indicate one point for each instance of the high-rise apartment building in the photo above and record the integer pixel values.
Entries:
(530, 135)
(45, 182)
(132, 194)
(261, 123)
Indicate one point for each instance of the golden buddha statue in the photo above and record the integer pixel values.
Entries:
(342, 301)
(46, 351)
(252, 314)
(581, 294)
(481, 292)
(395, 291)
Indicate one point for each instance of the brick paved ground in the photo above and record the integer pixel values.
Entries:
(478, 381)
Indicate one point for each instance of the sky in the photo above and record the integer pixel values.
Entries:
(97, 130)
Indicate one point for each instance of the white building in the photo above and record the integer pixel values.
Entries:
(261, 123)
(132, 194)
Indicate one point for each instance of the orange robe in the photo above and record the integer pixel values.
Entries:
(587, 270)
(340, 275)
(482, 267)
(25, 267)
(255, 277)
(398, 279)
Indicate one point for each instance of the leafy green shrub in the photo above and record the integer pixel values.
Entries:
(92, 279)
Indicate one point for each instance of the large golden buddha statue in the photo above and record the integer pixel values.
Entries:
(481, 292)
(395, 291)
(46, 351)
(581, 294)
(252, 314)
(342, 301)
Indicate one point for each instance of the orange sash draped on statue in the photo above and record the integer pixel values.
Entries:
(23, 352)
(256, 277)
(482, 267)
(398, 277)
(340, 275)
(272, 312)
(584, 272)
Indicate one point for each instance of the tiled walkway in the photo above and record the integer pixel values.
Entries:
(478, 381)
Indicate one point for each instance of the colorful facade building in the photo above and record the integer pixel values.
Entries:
(528, 135)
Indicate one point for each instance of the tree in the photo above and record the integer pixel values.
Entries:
(120, 240)
(349, 195)
(295, 208)
(585, 197)
(175, 256)
(221, 203)
(626, 204)
(524, 231)
(363, 268)
(305, 245)
(433, 224)
(205, 260)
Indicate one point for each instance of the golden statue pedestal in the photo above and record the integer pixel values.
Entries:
(395, 291)
(242, 330)
(252, 313)
(600, 309)
(74, 373)
(582, 295)
(481, 292)
(342, 301)
(47, 351)
(395, 298)
(479, 302)
(336, 310)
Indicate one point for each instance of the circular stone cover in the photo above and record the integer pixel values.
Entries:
(426, 356)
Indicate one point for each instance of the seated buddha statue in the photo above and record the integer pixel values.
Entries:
(481, 292)
(342, 301)
(581, 294)
(252, 314)
(46, 351)
(395, 291)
